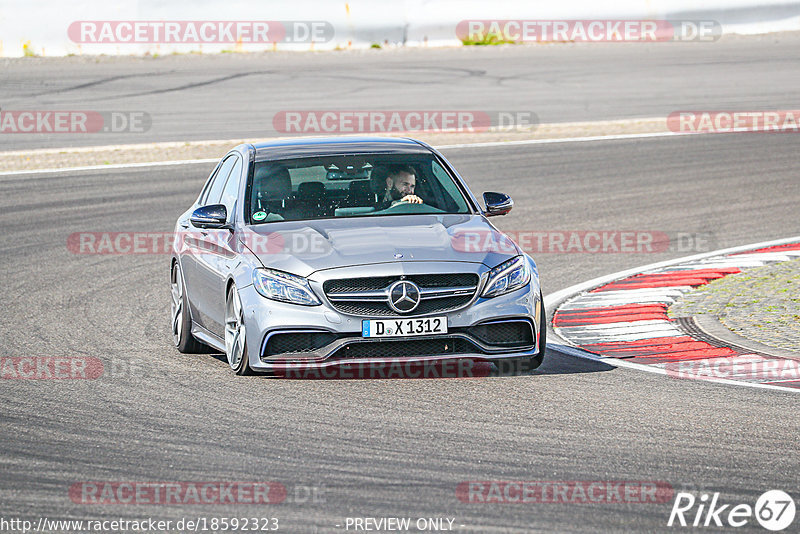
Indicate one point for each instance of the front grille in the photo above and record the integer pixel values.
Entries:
(291, 343)
(374, 283)
(371, 306)
(504, 334)
(406, 348)
(383, 310)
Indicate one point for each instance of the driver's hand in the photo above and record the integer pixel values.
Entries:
(413, 199)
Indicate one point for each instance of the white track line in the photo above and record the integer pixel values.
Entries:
(442, 147)
(624, 297)
(569, 140)
(615, 362)
(111, 167)
(554, 300)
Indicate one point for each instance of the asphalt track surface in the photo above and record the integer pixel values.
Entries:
(233, 96)
(387, 447)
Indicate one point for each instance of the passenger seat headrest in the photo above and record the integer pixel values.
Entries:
(311, 190)
(273, 182)
(378, 178)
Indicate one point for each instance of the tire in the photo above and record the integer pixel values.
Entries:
(235, 334)
(181, 321)
(536, 361)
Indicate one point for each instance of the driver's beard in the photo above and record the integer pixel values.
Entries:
(396, 195)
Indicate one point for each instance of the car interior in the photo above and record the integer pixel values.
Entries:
(299, 190)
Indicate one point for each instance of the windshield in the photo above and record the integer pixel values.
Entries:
(351, 186)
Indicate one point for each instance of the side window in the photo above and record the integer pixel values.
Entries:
(231, 191)
(455, 199)
(204, 193)
(215, 191)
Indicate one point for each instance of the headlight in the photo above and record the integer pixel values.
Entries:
(285, 287)
(508, 276)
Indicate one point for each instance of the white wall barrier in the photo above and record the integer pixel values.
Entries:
(118, 27)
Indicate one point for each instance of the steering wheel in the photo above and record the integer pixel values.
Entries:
(409, 207)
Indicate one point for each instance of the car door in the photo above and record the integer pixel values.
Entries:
(222, 257)
(198, 260)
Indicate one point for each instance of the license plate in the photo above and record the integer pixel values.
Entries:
(403, 327)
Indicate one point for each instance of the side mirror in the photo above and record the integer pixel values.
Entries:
(497, 203)
(213, 216)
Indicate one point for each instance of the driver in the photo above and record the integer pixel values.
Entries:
(400, 183)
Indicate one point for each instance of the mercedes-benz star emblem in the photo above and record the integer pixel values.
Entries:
(403, 296)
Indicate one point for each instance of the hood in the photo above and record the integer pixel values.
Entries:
(304, 247)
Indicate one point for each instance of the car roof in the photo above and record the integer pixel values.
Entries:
(337, 146)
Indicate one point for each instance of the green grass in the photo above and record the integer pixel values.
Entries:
(489, 39)
(27, 49)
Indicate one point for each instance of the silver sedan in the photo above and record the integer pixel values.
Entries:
(321, 253)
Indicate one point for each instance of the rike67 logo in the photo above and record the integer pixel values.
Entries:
(774, 510)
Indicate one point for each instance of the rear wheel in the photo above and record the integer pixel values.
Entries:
(235, 334)
(181, 321)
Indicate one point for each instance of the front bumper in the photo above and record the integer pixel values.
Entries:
(341, 342)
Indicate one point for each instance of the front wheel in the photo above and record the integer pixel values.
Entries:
(235, 334)
(536, 361)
